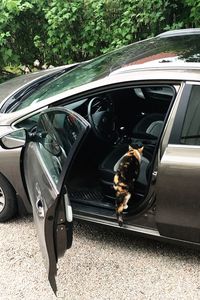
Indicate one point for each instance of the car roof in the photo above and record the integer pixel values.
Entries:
(179, 32)
(153, 66)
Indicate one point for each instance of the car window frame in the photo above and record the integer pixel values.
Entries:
(29, 115)
(62, 102)
(176, 132)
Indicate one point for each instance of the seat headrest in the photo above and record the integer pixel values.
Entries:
(155, 128)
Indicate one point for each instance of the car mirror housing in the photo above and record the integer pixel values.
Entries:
(14, 139)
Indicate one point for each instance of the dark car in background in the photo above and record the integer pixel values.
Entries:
(18, 88)
(61, 144)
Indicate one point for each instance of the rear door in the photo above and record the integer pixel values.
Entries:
(47, 159)
(178, 182)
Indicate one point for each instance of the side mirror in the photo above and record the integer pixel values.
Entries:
(14, 139)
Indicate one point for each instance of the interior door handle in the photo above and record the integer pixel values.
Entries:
(40, 208)
(154, 176)
(39, 202)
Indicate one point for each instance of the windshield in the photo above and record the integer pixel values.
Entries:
(160, 50)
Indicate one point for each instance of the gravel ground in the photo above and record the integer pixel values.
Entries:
(102, 264)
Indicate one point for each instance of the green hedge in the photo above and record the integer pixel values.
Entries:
(63, 31)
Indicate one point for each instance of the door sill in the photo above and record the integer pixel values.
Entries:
(103, 220)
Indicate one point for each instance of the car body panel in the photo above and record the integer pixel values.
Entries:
(178, 180)
(11, 170)
(178, 192)
(43, 196)
(50, 157)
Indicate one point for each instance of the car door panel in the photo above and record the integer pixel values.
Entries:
(47, 158)
(178, 190)
(177, 185)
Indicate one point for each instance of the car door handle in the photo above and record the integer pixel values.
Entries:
(40, 207)
(154, 176)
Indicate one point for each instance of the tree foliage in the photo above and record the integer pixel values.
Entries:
(59, 32)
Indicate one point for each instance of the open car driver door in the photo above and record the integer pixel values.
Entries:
(47, 158)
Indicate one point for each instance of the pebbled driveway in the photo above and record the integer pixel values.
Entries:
(103, 264)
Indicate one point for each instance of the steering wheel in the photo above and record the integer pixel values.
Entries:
(102, 118)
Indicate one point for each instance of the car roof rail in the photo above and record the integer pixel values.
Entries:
(179, 32)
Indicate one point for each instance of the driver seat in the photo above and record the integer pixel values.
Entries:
(147, 131)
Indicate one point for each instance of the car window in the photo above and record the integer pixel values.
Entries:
(57, 132)
(156, 50)
(29, 123)
(191, 127)
(53, 155)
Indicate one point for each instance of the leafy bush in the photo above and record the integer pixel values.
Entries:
(59, 32)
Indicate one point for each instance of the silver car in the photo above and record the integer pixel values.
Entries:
(61, 144)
